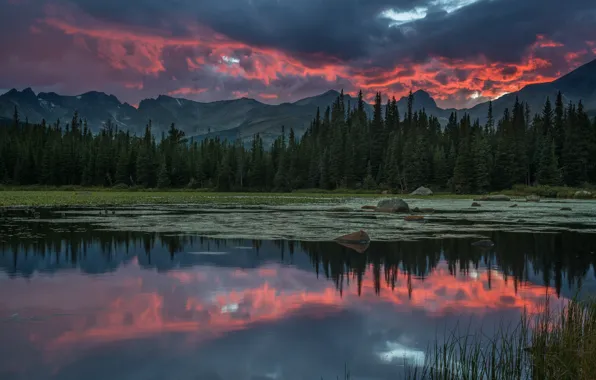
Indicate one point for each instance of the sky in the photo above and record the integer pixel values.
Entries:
(462, 52)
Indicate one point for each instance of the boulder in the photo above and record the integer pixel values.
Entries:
(494, 198)
(483, 243)
(476, 204)
(582, 194)
(358, 241)
(393, 205)
(355, 237)
(533, 198)
(422, 191)
(414, 218)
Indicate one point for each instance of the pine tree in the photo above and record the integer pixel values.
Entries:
(378, 136)
(342, 148)
(145, 167)
(548, 170)
(559, 134)
(163, 177)
(481, 154)
(463, 173)
(224, 174)
(369, 181)
(122, 173)
(439, 164)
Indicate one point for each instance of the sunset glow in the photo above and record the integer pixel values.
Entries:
(439, 294)
(206, 61)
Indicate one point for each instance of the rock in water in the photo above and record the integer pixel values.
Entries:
(393, 205)
(360, 237)
(422, 191)
(483, 243)
(532, 198)
(414, 218)
(566, 209)
(513, 205)
(369, 207)
(358, 241)
(494, 198)
(583, 194)
(476, 204)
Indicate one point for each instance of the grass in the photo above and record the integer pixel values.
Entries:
(550, 346)
(57, 197)
(40, 196)
(129, 198)
(548, 191)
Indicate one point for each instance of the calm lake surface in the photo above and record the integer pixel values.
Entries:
(122, 296)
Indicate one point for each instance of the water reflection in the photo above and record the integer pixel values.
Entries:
(81, 303)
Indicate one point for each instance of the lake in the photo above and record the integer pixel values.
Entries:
(230, 292)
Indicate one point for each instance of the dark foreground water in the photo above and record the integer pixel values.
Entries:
(79, 302)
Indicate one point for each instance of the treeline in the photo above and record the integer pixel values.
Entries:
(342, 148)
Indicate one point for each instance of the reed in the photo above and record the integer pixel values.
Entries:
(552, 345)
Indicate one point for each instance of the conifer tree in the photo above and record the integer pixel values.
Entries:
(344, 147)
(122, 173)
(481, 154)
(548, 170)
(163, 177)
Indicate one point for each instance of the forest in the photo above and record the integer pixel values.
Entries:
(342, 149)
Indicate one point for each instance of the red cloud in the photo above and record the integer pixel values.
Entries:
(214, 53)
(269, 96)
(187, 91)
(480, 292)
(543, 42)
(240, 94)
(135, 85)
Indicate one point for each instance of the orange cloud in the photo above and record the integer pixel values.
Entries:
(442, 78)
(136, 311)
(135, 85)
(240, 94)
(269, 96)
(543, 42)
(187, 91)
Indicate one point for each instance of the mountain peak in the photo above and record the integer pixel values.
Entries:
(27, 95)
(422, 93)
(11, 92)
(422, 99)
(331, 92)
(28, 91)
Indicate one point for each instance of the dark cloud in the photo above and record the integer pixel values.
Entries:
(292, 48)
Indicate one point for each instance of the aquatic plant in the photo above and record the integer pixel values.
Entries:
(552, 345)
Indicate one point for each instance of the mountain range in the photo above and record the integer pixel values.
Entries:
(242, 118)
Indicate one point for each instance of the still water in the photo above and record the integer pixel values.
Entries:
(79, 302)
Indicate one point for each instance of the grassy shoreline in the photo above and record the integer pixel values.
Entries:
(38, 196)
(93, 197)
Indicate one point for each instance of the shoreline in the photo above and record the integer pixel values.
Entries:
(24, 197)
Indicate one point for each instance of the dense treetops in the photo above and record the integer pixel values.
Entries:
(342, 148)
